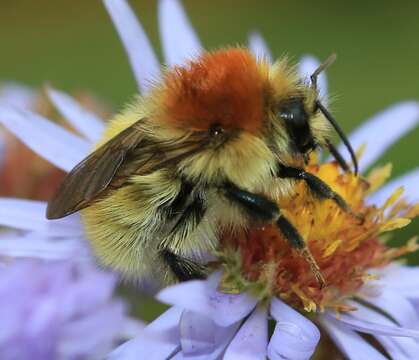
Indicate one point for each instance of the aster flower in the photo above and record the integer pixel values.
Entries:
(52, 311)
(209, 323)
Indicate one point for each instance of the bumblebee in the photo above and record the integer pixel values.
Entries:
(207, 150)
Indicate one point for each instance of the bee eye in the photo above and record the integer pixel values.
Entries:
(293, 111)
(216, 130)
(296, 120)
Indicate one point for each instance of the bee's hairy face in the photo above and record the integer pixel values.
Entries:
(253, 114)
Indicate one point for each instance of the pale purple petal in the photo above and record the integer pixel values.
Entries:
(306, 66)
(409, 182)
(398, 347)
(197, 333)
(251, 341)
(33, 245)
(18, 95)
(76, 337)
(395, 305)
(30, 215)
(201, 338)
(42, 319)
(178, 38)
(104, 285)
(383, 130)
(401, 279)
(282, 312)
(259, 47)
(352, 345)
(158, 341)
(2, 146)
(83, 120)
(201, 296)
(52, 142)
(372, 328)
(132, 327)
(141, 56)
(295, 337)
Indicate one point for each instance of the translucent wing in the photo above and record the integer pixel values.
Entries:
(110, 166)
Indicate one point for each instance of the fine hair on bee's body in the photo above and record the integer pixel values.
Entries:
(207, 150)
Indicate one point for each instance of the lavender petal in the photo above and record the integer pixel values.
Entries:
(17, 95)
(387, 127)
(86, 122)
(201, 296)
(197, 333)
(352, 345)
(203, 339)
(179, 40)
(295, 337)
(395, 305)
(52, 142)
(250, 342)
(159, 340)
(259, 48)
(398, 347)
(30, 215)
(33, 245)
(372, 328)
(140, 53)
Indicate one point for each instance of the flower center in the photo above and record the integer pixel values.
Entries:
(345, 248)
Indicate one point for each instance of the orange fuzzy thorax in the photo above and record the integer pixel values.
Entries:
(224, 87)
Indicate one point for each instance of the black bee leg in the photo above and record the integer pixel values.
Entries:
(267, 210)
(317, 186)
(184, 269)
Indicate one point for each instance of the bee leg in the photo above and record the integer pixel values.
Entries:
(317, 186)
(184, 269)
(267, 210)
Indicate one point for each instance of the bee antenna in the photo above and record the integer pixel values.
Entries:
(341, 134)
(337, 155)
(323, 66)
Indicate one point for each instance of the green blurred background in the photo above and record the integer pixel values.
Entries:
(72, 45)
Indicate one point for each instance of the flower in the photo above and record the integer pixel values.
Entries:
(345, 244)
(52, 311)
(207, 323)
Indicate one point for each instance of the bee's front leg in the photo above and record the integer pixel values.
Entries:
(266, 210)
(317, 186)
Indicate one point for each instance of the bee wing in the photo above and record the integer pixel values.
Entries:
(111, 166)
(94, 174)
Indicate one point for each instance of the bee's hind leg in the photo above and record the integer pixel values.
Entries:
(184, 269)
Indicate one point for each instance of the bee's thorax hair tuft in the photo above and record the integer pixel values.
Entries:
(223, 87)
